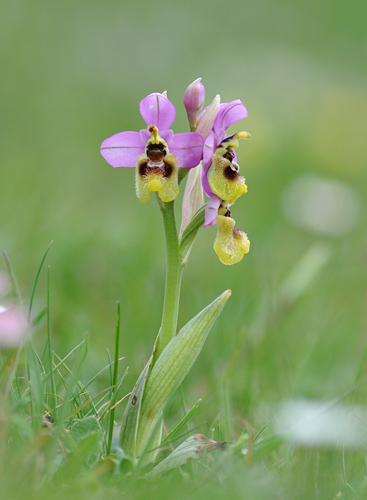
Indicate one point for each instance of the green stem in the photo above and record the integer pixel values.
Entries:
(173, 278)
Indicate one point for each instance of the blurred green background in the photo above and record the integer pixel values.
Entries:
(73, 73)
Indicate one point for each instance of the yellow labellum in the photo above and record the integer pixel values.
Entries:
(231, 243)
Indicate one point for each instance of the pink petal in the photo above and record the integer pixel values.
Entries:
(123, 149)
(204, 179)
(168, 135)
(209, 148)
(228, 114)
(188, 148)
(157, 110)
(13, 328)
(211, 210)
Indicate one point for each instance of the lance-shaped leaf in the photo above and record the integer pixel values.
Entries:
(171, 368)
(191, 449)
(130, 419)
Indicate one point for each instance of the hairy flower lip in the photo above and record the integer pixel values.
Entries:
(160, 177)
(225, 181)
(231, 243)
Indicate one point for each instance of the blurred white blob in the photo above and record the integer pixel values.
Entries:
(324, 206)
(13, 327)
(320, 424)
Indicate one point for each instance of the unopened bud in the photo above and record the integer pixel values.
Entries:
(194, 101)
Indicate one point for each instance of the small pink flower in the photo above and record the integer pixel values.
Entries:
(13, 327)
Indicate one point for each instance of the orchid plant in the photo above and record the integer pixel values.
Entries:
(162, 159)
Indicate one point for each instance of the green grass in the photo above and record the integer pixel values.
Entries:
(60, 438)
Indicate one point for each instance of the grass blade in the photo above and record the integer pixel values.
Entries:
(182, 422)
(114, 381)
(36, 281)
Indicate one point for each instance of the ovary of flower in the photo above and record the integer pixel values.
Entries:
(231, 243)
(225, 180)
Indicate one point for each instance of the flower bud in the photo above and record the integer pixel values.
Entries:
(231, 243)
(194, 101)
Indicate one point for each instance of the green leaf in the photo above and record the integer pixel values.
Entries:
(35, 383)
(182, 422)
(130, 419)
(84, 428)
(84, 455)
(171, 368)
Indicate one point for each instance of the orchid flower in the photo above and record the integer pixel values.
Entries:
(156, 152)
(202, 124)
(224, 184)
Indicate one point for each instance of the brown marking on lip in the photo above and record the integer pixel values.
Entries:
(155, 155)
(148, 166)
(231, 174)
(143, 168)
(167, 170)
